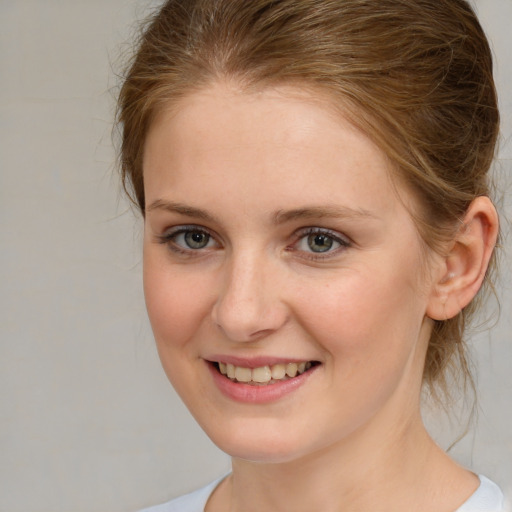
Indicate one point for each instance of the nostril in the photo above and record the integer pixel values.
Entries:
(245, 324)
(249, 305)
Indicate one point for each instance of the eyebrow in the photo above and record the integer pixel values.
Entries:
(320, 212)
(280, 217)
(182, 209)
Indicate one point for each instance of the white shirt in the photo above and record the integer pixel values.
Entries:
(487, 498)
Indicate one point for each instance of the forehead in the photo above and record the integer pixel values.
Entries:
(281, 139)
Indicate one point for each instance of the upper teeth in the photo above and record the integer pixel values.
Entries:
(263, 374)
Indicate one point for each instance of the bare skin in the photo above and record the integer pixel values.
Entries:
(321, 483)
(274, 233)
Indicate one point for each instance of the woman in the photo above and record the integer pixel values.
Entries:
(313, 180)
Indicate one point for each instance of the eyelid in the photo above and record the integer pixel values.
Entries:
(169, 235)
(344, 241)
(312, 230)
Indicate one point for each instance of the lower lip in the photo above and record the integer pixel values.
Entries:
(248, 393)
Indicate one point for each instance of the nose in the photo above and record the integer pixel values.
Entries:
(248, 306)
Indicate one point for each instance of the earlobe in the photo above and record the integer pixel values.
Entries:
(466, 263)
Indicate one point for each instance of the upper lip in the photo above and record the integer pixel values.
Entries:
(255, 362)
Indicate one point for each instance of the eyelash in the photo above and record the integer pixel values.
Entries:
(344, 243)
(169, 239)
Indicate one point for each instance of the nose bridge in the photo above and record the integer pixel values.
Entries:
(247, 306)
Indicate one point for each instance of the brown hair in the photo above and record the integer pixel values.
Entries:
(414, 75)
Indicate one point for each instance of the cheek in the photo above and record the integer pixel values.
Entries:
(176, 301)
(367, 316)
(370, 330)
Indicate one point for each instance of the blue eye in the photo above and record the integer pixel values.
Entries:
(196, 239)
(320, 241)
(183, 239)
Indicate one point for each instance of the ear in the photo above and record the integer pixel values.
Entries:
(463, 269)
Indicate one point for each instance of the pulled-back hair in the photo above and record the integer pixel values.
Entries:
(414, 75)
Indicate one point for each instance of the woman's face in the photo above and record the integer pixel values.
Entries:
(277, 251)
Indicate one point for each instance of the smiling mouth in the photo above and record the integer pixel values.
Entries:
(264, 375)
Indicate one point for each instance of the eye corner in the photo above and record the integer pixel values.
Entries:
(334, 242)
(188, 240)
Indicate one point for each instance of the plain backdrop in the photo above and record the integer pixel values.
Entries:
(88, 421)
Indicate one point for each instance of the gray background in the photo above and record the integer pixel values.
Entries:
(88, 421)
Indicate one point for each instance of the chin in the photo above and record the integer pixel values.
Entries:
(261, 454)
(260, 444)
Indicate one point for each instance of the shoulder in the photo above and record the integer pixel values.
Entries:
(487, 498)
(192, 502)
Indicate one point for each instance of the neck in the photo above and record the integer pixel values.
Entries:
(402, 474)
(390, 464)
(349, 476)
